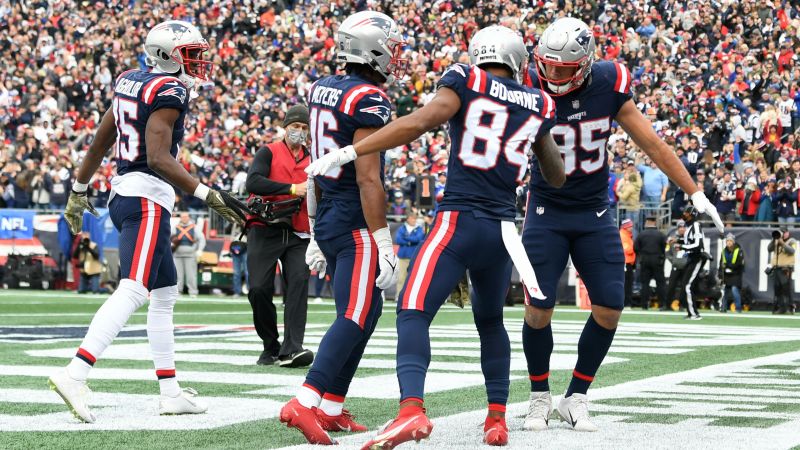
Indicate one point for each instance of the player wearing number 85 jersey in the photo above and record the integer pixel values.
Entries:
(493, 120)
(573, 221)
(145, 127)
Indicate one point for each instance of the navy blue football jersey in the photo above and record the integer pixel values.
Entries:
(583, 124)
(491, 137)
(338, 106)
(137, 94)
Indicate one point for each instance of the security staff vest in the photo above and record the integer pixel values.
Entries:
(285, 169)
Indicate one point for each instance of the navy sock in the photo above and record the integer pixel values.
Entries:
(337, 344)
(413, 352)
(495, 358)
(538, 346)
(593, 346)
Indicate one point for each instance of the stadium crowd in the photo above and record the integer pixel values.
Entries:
(718, 79)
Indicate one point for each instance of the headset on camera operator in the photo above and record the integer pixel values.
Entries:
(782, 249)
(278, 229)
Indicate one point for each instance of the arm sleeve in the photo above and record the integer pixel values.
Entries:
(258, 181)
(789, 247)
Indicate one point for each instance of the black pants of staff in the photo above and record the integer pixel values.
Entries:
(675, 278)
(265, 246)
(629, 272)
(783, 290)
(649, 269)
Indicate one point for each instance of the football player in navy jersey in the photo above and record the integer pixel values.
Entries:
(574, 221)
(347, 211)
(145, 126)
(493, 120)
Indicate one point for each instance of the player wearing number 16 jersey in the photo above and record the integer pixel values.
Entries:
(493, 120)
(573, 221)
(145, 126)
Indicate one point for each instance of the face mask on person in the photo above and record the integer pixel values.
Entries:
(296, 137)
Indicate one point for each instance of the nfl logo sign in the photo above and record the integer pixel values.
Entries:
(576, 104)
(540, 210)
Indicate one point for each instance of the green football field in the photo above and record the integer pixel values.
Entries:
(728, 381)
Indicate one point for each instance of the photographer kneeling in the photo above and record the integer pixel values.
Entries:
(89, 264)
(277, 175)
(781, 265)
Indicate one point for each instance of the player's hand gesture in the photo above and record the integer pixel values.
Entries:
(315, 259)
(332, 160)
(226, 206)
(700, 201)
(387, 260)
(73, 213)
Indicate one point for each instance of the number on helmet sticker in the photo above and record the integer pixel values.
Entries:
(516, 148)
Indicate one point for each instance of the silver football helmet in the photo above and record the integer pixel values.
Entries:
(176, 46)
(499, 45)
(567, 42)
(373, 39)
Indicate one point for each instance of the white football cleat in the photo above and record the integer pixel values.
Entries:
(539, 410)
(75, 394)
(575, 411)
(184, 403)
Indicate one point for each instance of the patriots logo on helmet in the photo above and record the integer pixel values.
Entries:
(177, 92)
(381, 111)
(379, 22)
(583, 39)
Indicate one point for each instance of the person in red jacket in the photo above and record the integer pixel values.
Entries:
(626, 234)
(749, 198)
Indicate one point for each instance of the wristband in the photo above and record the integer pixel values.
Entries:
(383, 238)
(292, 190)
(202, 191)
(79, 187)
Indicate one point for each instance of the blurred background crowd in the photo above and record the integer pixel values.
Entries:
(718, 79)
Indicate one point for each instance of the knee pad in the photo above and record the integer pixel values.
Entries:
(163, 299)
(133, 291)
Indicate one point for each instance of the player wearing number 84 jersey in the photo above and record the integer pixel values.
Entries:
(573, 221)
(493, 120)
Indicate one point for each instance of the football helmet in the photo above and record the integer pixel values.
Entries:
(499, 45)
(177, 47)
(567, 42)
(373, 39)
(690, 214)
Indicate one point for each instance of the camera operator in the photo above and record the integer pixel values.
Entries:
(89, 265)
(781, 265)
(277, 174)
(692, 244)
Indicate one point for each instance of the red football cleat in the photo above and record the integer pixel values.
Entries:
(342, 422)
(406, 427)
(495, 431)
(295, 415)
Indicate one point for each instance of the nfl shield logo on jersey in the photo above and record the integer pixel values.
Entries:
(576, 104)
(540, 210)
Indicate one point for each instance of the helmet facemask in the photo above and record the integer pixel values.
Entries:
(190, 57)
(398, 66)
(565, 85)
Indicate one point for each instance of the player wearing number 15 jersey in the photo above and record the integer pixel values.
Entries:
(145, 127)
(573, 221)
(493, 120)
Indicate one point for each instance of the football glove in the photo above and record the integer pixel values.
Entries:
(332, 160)
(228, 207)
(387, 260)
(315, 259)
(73, 213)
(703, 206)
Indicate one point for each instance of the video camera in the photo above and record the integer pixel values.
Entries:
(279, 212)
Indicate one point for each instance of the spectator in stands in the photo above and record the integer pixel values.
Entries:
(726, 197)
(655, 184)
(749, 197)
(629, 189)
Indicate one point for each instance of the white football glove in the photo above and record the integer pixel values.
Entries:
(332, 160)
(387, 260)
(315, 259)
(703, 206)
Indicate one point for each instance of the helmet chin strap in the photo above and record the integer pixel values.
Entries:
(558, 88)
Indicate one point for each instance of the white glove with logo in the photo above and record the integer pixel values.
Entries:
(387, 260)
(332, 160)
(315, 259)
(700, 201)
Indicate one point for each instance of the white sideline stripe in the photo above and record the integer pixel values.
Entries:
(464, 430)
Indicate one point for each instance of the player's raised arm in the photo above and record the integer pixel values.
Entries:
(550, 161)
(641, 130)
(158, 139)
(78, 202)
(399, 132)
